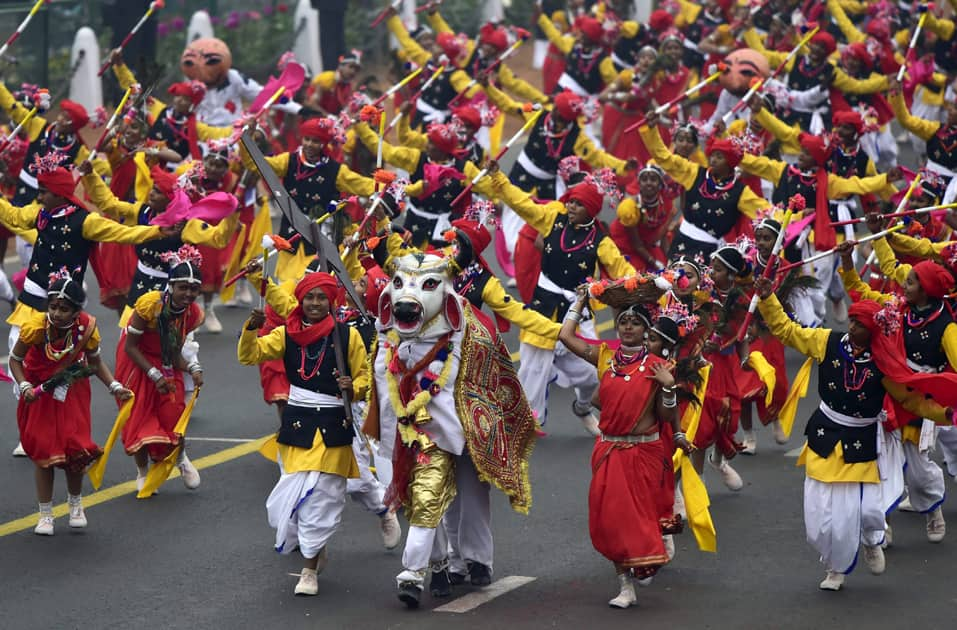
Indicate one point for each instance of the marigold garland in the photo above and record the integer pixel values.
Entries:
(423, 398)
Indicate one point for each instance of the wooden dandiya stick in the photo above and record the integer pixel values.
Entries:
(13, 134)
(398, 86)
(760, 82)
(768, 272)
(508, 145)
(819, 256)
(385, 13)
(22, 27)
(156, 4)
(505, 54)
(418, 93)
(913, 41)
(111, 123)
(905, 213)
(661, 109)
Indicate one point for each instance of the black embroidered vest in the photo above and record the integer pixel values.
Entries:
(314, 367)
(942, 147)
(311, 187)
(59, 244)
(715, 215)
(46, 143)
(848, 386)
(923, 341)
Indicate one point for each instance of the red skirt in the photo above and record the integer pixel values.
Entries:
(624, 506)
(552, 69)
(620, 144)
(773, 351)
(528, 263)
(57, 433)
(619, 234)
(154, 415)
(114, 265)
(722, 405)
(214, 267)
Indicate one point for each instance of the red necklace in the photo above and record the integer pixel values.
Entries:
(585, 242)
(554, 152)
(304, 353)
(586, 68)
(621, 361)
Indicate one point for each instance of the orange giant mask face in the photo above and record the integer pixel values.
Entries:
(744, 66)
(206, 59)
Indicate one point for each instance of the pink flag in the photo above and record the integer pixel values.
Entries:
(292, 78)
(211, 209)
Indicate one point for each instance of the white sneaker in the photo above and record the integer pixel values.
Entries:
(669, 541)
(44, 525)
(626, 597)
(750, 443)
(729, 475)
(391, 530)
(905, 505)
(936, 527)
(212, 324)
(77, 516)
(589, 421)
(778, 432)
(307, 584)
(18, 451)
(840, 311)
(874, 559)
(189, 473)
(833, 581)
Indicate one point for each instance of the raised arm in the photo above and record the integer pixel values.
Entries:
(515, 311)
(253, 350)
(106, 202)
(923, 129)
(579, 347)
(681, 170)
(103, 230)
(811, 342)
(540, 216)
(403, 157)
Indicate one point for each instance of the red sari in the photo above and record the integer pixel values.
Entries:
(652, 227)
(154, 415)
(57, 433)
(632, 486)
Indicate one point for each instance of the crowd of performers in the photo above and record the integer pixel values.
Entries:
(705, 180)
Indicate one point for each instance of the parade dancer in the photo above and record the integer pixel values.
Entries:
(151, 363)
(642, 222)
(315, 438)
(842, 489)
(576, 247)
(332, 90)
(436, 412)
(52, 358)
(632, 479)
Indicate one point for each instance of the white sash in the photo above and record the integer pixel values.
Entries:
(551, 287)
(149, 271)
(571, 84)
(532, 168)
(299, 397)
(28, 179)
(693, 232)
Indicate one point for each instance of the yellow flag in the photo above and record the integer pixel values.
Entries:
(697, 506)
(692, 416)
(798, 391)
(765, 372)
(96, 470)
(160, 471)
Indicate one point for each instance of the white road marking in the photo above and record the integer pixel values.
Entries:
(794, 452)
(474, 600)
(190, 438)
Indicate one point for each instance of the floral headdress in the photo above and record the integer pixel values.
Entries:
(889, 317)
(605, 180)
(677, 313)
(570, 166)
(48, 163)
(483, 212)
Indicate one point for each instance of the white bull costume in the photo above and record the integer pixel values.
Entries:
(447, 404)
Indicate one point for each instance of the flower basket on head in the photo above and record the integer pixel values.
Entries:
(642, 288)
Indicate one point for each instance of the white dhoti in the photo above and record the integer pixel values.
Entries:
(424, 546)
(511, 225)
(890, 461)
(947, 441)
(541, 367)
(305, 509)
(924, 478)
(838, 517)
(366, 490)
(468, 521)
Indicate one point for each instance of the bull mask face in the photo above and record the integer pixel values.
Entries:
(420, 301)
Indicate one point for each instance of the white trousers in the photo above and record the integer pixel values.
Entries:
(831, 287)
(468, 521)
(890, 460)
(305, 509)
(924, 478)
(838, 517)
(947, 442)
(471, 525)
(541, 367)
(511, 225)
(366, 490)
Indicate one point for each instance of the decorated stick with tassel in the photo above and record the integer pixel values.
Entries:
(661, 109)
(726, 119)
(156, 4)
(41, 103)
(819, 256)
(112, 122)
(895, 215)
(22, 27)
(505, 54)
(913, 40)
(264, 282)
(385, 13)
(508, 145)
(769, 268)
(398, 86)
(418, 93)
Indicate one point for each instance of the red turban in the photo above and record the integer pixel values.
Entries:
(493, 36)
(934, 279)
(296, 328)
(450, 45)
(660, 20)
(478, 234)
(858, 50)
(887, 350)
(376, 280)
(468, 115)
(824, 235)
(443, 138)
(732, 152)
(880, 29)
(826, 40)
(322, 280)
(163, 180)
(76, 113)
(568, 105)
(60, 182)
(322, 129)
(851, 118)
(587, 195)
(590, 28)
(195, 91)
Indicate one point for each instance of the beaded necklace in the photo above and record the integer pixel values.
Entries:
(550, 148)
(620, 362)
(711, 188)
(304, 354)
(591, 59)
(69, 342)
(854, 377)
(302, 174)
(588, 240)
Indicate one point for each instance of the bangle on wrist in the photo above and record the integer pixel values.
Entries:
(25, 386)
(115, 386)
(155, 374)
(680, 435)
(193, 366)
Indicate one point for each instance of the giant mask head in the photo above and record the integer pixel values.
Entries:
(420, 300)
(744, 66)
(206, 59)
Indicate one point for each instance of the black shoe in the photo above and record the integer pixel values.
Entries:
(409, 594)
(440, 585)
(479, 574)
(457, 579)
